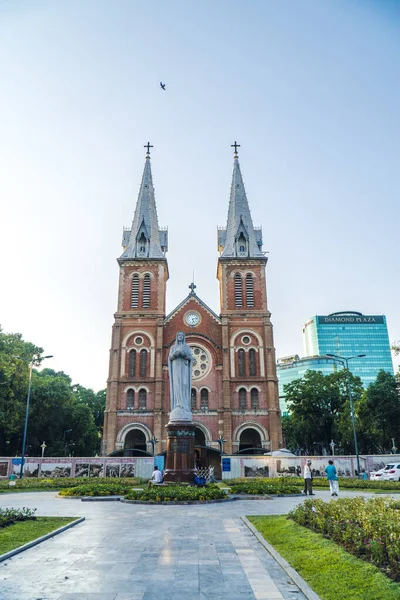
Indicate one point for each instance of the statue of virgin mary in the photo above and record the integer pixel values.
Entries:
(180, 379)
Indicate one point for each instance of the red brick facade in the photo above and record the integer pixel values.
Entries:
(234, 387)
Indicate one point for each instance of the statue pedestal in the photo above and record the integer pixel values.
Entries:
(180, 452)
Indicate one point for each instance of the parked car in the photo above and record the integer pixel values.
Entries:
(392, 472)
(377, 475)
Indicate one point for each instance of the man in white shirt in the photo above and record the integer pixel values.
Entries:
(308, 479)
(156, 477)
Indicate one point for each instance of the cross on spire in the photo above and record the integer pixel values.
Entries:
(236, 146)
(148, 146)
(192, 287)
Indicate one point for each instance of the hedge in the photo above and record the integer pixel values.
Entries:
(98, 489)
(321, 482)
(369, 529)
(282, 486)
(58, 483)
(176, 493)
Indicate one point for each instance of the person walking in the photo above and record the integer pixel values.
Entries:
(331, 475)
(308, 479)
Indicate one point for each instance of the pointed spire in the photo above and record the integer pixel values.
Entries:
(239, 238)
(144, 239)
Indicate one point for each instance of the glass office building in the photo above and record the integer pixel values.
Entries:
(293, 367)
(348, 334)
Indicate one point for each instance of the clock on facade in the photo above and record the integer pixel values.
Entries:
(192, 319)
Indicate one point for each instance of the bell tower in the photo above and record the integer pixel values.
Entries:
(134, 387)
(249, 380)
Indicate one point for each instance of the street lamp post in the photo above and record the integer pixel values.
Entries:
(345, 363)
(43, 447)
(153, 442)
(221, 441)
(35, 359)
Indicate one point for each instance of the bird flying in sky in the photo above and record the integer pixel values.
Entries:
(162, 86)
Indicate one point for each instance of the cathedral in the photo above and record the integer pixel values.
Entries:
(234, 395)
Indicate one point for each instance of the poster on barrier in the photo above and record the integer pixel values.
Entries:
(112, 469)
(4, 468)
(56, 469)
(31, 469)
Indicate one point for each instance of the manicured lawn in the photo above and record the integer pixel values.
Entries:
(332, 572)
(23, 532)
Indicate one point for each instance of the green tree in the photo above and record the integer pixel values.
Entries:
(316, 403)
(14, 376)
(379, 413)
(96, 401)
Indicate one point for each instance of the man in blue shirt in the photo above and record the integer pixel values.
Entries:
(331, 475)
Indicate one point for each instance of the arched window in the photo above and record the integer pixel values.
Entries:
(238, 290)
(193, 399)
(142, 398)
(146, 291)
(241, 363)
(132, 363)
(130, 399)
(204, 399)
(242, 399)
(254, 399)
(252, 362)
(143, 363)
(249, 290)
(135, 291)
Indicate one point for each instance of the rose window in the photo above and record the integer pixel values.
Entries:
(201, 362)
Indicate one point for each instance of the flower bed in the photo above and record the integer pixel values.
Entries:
(321, 482)
(58, 483)
(369, 529)
(98, 489)
(280, 486)
(9, 516)
(176, 493)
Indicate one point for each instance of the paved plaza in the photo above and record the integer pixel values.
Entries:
(137, 552)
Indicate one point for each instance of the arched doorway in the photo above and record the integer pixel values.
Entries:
(249, 438)
(199, 437)
(135, 439)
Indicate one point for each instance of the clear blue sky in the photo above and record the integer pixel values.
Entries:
(310, 89)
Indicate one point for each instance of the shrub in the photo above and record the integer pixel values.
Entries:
(58, 483)
(97, 489)
(175, 493)
(280, 486)
(369, 529)
(321, 482)
(9, 516)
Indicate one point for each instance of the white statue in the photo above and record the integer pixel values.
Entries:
(180, 379)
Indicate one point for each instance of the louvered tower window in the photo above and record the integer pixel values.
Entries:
(193, 399)
(143, 363)
(132, 363)
(249, 290)
(238, 291)
(204, 399)
(254, 399)
(242, 399)
(130, 399)
(241, 363)
(142, 398)
(252, 362)
(146, 291)
(135, 292)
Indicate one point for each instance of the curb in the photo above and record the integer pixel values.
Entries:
(12, 553)
(178, 502)
(294, 576)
